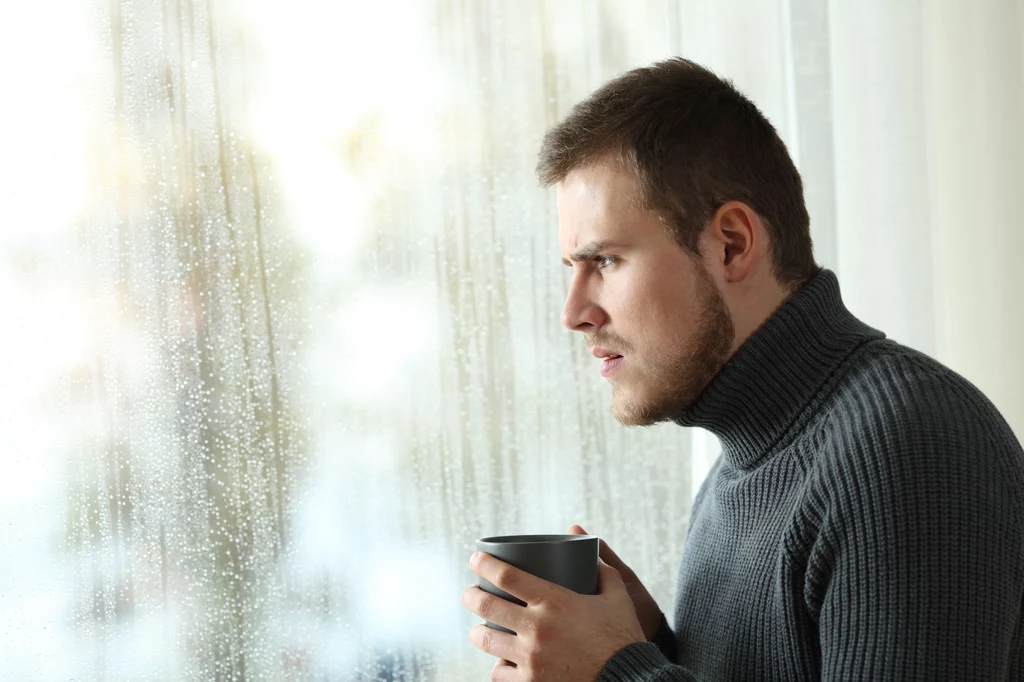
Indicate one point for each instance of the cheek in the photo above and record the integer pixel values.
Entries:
(631, 310)
(660, 317)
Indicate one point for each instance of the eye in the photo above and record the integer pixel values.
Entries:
(604, 261)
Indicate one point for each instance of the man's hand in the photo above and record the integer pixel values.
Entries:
(647, 611)
(560, 634)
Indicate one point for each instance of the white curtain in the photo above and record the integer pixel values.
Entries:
(929, 154)
(281, 301)
(905, 120)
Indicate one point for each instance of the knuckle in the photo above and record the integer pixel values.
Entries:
(553, 605)
(504, 577)
(486, 640)
(474, 601)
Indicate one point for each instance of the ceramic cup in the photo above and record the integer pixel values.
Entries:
(566, 560)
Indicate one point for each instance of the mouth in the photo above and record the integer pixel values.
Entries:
(610, 363)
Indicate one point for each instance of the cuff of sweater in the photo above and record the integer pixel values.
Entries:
(636, 662)
(665, 639)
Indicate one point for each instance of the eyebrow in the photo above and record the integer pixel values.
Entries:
(589, 251)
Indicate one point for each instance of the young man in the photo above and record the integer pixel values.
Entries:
(865, 520)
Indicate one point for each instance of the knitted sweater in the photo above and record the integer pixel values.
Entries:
(865, 520)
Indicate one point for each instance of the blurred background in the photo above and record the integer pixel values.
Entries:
(280, 299)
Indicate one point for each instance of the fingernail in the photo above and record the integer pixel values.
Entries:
(473, 559)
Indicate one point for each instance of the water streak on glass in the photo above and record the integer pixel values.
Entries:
(314, 291)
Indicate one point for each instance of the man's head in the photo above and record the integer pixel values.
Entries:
(683, 219)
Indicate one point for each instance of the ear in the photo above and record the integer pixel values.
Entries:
(736, 240)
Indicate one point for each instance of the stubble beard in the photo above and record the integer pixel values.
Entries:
(677, 382)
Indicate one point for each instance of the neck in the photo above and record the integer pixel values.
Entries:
(756, 399)
(751, 303)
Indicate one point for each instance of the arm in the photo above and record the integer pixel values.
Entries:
(655, 660)
(642, 662)
(919, 570)
(652, 661)
(642, 659)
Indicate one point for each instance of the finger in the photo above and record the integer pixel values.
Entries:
(520, 584)
(504, 671)
(610, 581)
(611, 558)
(494, 642)
(608, 574)
(493, 608)
(604, 552)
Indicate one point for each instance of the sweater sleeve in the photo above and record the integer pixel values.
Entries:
(918, 572)
(666, 641)
(652, 661)
(642, 662)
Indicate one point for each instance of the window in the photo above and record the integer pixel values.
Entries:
(281, 296)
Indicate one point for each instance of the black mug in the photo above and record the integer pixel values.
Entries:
(566, 560)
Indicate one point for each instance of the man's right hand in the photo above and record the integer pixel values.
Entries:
(647, 611)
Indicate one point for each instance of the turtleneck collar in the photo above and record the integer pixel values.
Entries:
(768, 382)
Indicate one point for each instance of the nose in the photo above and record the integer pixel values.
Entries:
(581, 311)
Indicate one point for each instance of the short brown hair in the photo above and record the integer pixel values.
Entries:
(694, 142)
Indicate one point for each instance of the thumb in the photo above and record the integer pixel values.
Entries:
(608, 577)
(604, 550)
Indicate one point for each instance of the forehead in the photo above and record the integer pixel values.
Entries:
(596, 202)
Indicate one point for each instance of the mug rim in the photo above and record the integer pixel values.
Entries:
(534, 539)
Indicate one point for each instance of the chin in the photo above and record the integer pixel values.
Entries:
(631, 419)
(629, 411)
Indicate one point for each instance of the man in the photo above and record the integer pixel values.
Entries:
(865, 520)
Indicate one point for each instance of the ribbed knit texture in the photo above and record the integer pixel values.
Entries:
(865, 520)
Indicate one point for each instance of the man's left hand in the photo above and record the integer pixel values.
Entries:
(560, 634)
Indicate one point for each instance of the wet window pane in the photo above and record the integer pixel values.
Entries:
(281, 305)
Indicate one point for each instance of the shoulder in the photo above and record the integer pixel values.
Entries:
(899, 423)
(890, 393)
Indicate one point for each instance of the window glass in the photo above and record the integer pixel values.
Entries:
(281, 297)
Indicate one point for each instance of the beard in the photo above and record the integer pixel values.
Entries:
(677, 380)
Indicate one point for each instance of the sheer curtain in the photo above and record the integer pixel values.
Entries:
(929, 157)
(281, 297)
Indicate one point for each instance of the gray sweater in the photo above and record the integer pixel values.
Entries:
(865, 520)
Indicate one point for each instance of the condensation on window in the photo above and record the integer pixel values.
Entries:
(283, 335)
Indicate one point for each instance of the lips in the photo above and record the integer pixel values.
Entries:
(610, 360)
(610, 363)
